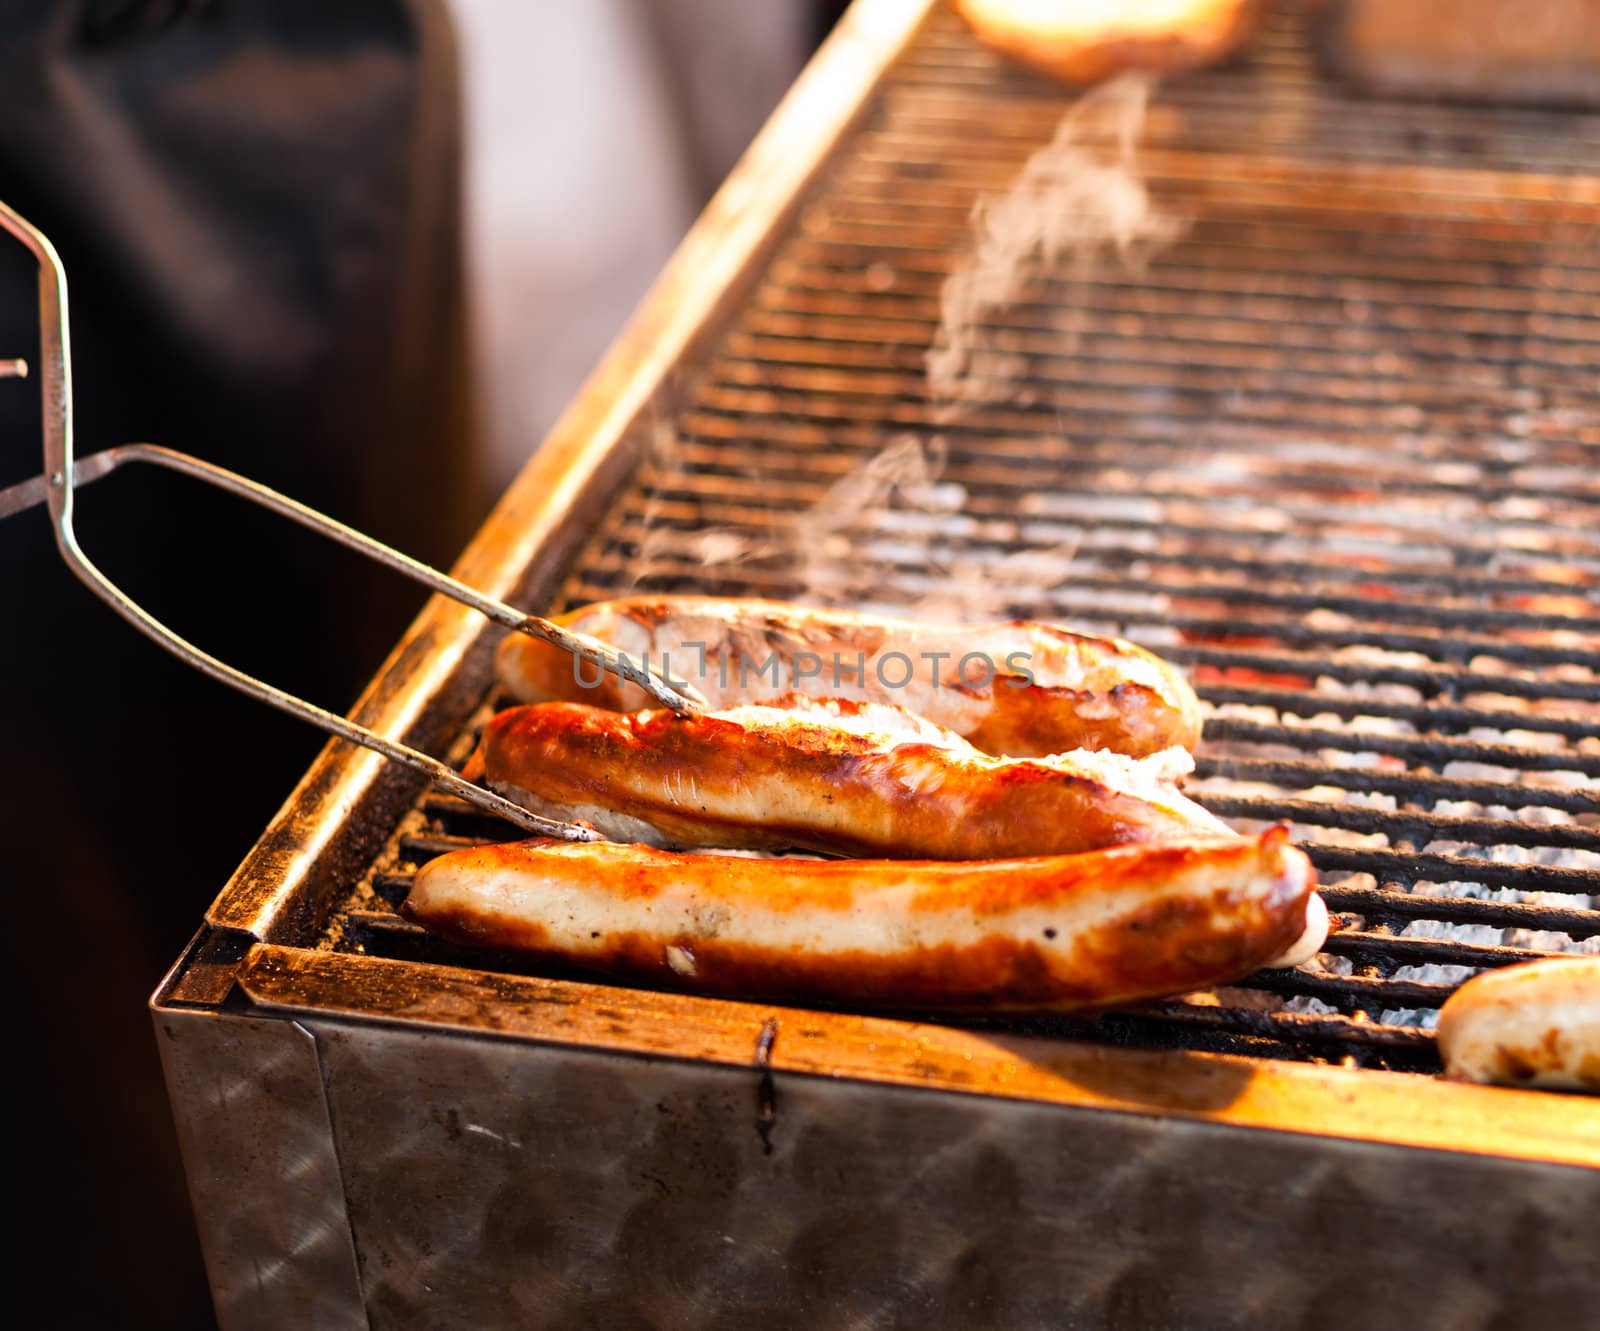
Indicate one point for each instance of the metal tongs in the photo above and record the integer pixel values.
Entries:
(62, 474)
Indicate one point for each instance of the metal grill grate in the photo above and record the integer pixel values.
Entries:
(1333, 451)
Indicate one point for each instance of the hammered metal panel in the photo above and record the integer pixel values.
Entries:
(493, 1183)
(253, 1124)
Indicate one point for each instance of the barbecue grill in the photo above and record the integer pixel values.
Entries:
(1332, 449)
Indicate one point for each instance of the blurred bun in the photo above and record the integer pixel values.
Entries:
(1084, 41)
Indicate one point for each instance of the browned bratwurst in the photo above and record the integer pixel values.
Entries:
(1533, 1024)
(1019, 689)
(1058, 931)
(842, 777)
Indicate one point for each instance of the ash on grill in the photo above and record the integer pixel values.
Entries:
(1332, 449)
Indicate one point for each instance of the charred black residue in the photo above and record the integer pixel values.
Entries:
(766, 1090)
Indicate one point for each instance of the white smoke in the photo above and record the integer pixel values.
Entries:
(1078, 205)
(1077, 209)
(827, 539)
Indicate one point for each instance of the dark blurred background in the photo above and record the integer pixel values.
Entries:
(364, 253)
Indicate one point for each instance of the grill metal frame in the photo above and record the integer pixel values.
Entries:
(273, 1000)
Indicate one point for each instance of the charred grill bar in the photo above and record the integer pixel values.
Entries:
(1333, 450)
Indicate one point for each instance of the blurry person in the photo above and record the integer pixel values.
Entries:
(579, 183)
(258, 205)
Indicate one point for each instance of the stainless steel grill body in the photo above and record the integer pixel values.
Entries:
(1332, 450)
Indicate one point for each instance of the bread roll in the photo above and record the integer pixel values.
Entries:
(1084, 41)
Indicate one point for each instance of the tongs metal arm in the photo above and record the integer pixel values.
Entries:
(63, 474)
(679, 695)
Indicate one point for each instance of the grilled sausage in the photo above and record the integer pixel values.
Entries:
(841, 777)
(1019, 689)
(1312, 937)
(1061, 931)
(1533, 1024)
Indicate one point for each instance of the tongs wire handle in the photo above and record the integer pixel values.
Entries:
(62, 474)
